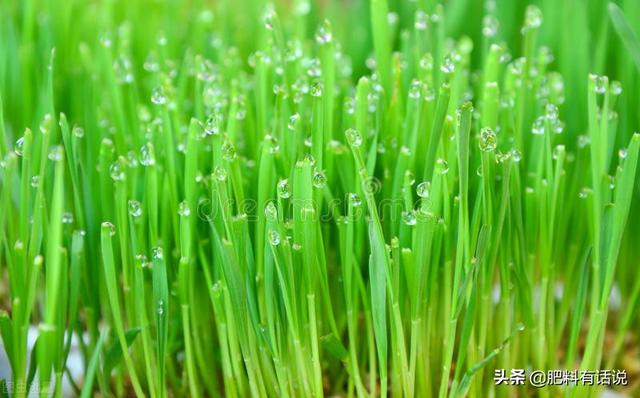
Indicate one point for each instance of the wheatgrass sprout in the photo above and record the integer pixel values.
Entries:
(362, 198)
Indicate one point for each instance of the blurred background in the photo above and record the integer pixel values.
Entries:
(31, 28)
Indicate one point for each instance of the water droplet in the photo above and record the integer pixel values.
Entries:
(313, 70)
(558, 151)
(45, 126)
(212, 125)
(515, 155)
(160, 307)
(273, 145)
(489, 26)
(293, 121)
(583, 141)
(615, 88)
(600, 84)
(302, 8)
(162, 39)
(55, 154)
(546, 56)
(270, 211)
(274, 237)
(622, 153)
(150, 63)
(323, 35)
(557, 126)
(132, 160)
(426, 62)
(310, 160)
(18, 148)
(220, 173)
(409, 177)
(228, 151)
(350, 105)
(538, 126)
(447, 67)
(280, 90)
(502, 157)
(415, 89)
(105, 41)
(268, 19)
(109, 227)
(67, 218)
(355, 200)
(444, 166)
(551, 111)
(116, 171)
(488, 140)
(393, 18)
(78, 132)
(532, 19)
(156, 253)
(421, 21)
(217, 287)
(612, 182)
(284, 190)
(319, 179)
(135, 209)
(409, 217)
(147, 157)
(158, 97)
(35, 181)
(183, 209)
(353, 137)
(316, 89)
(584, 192)
(143, 261)
(423, 189)
(123, 70)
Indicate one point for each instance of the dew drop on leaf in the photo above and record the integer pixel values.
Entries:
(274, 237)
(109, 227)
(284, 190)
(183, 209)
(135, 209)
(353, 137)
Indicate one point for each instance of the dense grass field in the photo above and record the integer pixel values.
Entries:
(319, 198)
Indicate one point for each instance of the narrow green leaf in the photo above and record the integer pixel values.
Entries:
(626, 33)
(334, 347)
(92, 368)
(113, 354)
(467, 378)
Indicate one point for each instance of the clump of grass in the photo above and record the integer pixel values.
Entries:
(248, 200)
